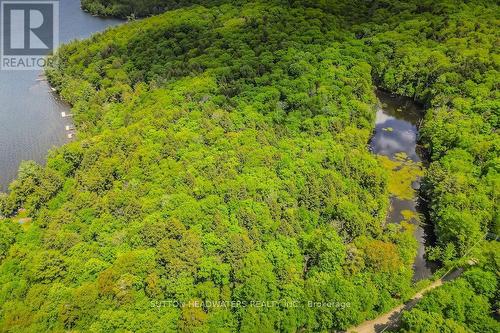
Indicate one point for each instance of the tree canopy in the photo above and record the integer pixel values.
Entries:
(221, 179)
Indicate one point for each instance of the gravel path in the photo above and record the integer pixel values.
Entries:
(392, 318)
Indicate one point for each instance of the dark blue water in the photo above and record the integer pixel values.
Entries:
(30, 114)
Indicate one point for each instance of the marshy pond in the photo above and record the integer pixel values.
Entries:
(395, 141)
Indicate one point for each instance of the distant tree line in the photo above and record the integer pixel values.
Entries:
(222, 156)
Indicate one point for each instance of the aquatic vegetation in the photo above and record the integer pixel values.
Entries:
(403, 172)
(222, 158)
(409, 215)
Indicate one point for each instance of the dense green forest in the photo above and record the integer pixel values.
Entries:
(222, 160)
(462, 305)
(134, 8)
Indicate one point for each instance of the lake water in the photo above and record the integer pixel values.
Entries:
(403, 116)
(30, 114)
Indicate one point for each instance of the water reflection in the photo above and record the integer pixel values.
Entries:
(396, 132)
(396, 127)
(30, 114)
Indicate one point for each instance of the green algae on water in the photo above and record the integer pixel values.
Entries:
(402, 173)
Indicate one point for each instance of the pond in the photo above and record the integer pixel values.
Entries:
(396, 141)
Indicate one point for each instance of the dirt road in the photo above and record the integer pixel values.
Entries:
(392, 318)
